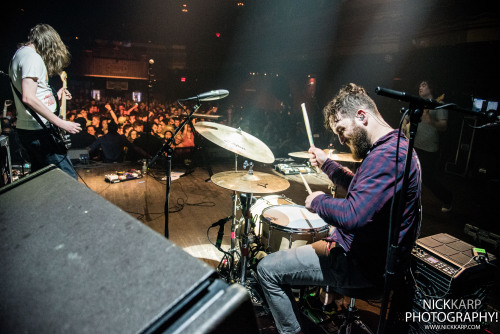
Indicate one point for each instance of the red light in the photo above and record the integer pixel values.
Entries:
(312, 81)
(217, 34)
(183, 79)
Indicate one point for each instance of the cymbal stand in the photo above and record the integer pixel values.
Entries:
(235, 208)
(229, 256)
(244, 240)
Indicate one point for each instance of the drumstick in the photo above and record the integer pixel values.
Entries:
(305, 183)
(308, 129)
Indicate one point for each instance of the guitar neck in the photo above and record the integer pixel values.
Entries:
(64, 79)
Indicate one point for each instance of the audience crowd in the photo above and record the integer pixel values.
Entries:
(116, 130)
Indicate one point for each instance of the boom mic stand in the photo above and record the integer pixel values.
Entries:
(167, 148)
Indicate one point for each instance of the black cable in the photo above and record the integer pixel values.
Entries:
(219, 248)
(81, 178)
(393, 201)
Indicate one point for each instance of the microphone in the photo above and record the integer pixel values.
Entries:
(220, 234)
(209, 96)
(222, 221)
(402, 96)
(424, 103)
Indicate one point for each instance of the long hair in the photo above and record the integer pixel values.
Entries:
(346, 103)
(50, 47)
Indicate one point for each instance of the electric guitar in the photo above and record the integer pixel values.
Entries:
(60, 138)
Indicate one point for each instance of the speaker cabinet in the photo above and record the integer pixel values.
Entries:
(5, 162)
(72, 262)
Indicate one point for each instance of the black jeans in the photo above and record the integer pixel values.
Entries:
(430, 175)
(40, 151)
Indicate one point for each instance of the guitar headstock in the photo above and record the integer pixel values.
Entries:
(64, 77)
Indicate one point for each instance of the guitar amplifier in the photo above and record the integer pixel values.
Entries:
(79, 155)
(5, 162)
(445, 267)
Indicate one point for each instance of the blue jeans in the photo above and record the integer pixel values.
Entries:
(313, 264)
(39, 148)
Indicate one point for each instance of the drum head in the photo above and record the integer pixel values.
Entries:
(294, 217)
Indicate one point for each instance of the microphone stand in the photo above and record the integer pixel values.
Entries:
(167, 148)
(415, 110)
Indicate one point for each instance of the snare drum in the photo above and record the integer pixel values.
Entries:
(290, 226)
(263, 203)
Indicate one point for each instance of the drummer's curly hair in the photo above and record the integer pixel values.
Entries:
(346, 103)
(50, 47)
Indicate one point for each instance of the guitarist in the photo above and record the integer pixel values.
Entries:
(44, 55)
(428, 147)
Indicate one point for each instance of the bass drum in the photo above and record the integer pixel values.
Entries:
(290, 226)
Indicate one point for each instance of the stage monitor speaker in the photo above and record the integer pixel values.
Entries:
(72, 262)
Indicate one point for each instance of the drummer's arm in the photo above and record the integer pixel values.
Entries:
(336, 172)
(339, 175)
(367, 196)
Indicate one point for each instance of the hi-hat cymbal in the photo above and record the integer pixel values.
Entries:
(346, 157)
(257, 183)
(196, 115)
(236, 141)
(304, 154)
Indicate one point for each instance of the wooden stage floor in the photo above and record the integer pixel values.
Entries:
(195, 204)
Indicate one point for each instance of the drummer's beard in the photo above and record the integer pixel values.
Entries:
(360, 145)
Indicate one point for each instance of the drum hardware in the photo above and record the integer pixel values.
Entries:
(247, 183)
(241, 143)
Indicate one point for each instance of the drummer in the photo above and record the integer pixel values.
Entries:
(353, 256)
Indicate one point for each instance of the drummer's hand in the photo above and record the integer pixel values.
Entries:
(311, 197)
(318, 156)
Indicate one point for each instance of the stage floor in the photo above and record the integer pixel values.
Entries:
(196, 203)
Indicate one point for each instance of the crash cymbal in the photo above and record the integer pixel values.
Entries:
(257, 183)
(236, 141)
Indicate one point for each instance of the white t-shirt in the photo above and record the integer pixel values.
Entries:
(427, 138)
(26, 63)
